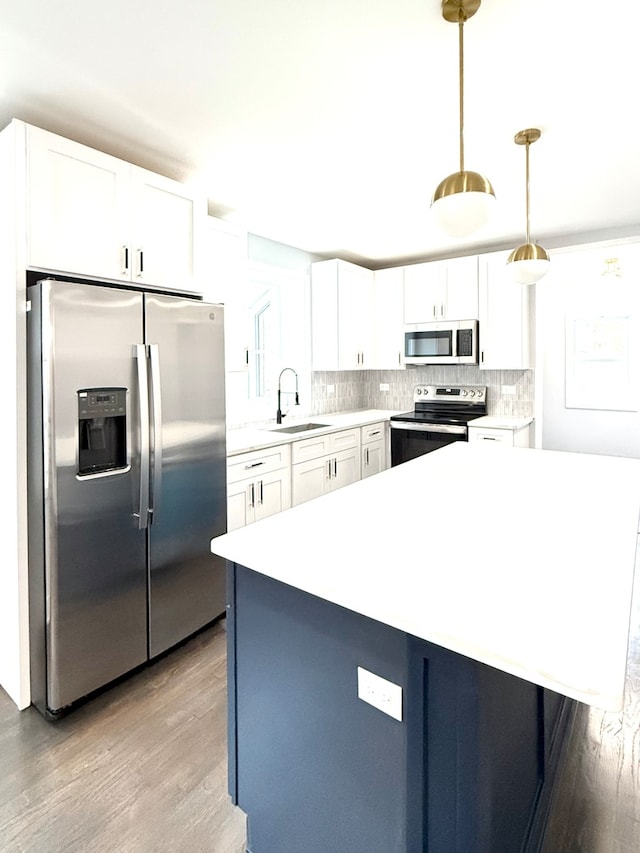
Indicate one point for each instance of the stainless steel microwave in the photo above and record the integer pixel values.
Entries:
(444, 342)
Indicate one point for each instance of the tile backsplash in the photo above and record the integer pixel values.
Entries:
(356, 389)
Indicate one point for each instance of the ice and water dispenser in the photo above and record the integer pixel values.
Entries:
(102, 430)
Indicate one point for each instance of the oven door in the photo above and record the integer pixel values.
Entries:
(410, 440)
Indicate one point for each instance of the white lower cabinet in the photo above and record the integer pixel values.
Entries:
(373, 440)
(324, 463)
(258, 485)
(501, 436)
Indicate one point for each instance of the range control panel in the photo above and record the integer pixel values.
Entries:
(434, 393)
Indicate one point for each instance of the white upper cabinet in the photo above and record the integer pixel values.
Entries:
(225, 277)
(388, 318)
(441, 290)
(91, 214)
(505, 317)
(341, 316)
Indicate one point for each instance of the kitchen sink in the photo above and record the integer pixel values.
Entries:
(299, 427)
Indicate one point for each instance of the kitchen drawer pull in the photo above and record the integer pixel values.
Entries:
(375, 432)
(254, 464)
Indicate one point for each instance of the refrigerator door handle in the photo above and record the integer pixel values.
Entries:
(156, 408)
(140, 354)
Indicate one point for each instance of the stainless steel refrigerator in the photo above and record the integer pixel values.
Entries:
(126, 481)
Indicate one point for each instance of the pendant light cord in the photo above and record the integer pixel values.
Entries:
(527, 190)
(461, 75)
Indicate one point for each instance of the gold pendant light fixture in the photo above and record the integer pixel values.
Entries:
(463, 201)
(529, 262)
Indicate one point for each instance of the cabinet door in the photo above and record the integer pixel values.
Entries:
(167, 221)
(505, 340)
(355, 317)
(345, 468)
(239, 509)
(324, 315)
(77, 208)
(310, 479)
(273, 493)
(388, 318)
(373, 458)
(425, 292)
(462, 288)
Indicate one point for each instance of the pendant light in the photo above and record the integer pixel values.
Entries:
(463, 201)
(529, 262)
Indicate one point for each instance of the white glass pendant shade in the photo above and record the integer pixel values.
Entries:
(528, 263)
(463, 203)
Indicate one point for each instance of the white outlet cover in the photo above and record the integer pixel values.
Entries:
(382, 694)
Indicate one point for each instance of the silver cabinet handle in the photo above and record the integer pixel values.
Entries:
(140, 354)
(156, 428)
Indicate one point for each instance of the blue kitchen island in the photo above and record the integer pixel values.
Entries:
(402, 675)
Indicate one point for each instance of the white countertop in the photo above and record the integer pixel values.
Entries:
(255, 438)
(500, 422)
(534, 577)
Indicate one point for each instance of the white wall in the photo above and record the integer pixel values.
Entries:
(576, 288)
(14, 610)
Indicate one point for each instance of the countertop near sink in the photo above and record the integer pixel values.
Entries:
(255, 438)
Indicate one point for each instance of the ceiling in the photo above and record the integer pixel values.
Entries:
(327, 124)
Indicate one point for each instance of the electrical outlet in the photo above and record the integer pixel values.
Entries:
(384, 386)
(382, 694)
(331, 390)
(509, 389)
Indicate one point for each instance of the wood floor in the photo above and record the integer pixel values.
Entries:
(142, 768)
(597, 804)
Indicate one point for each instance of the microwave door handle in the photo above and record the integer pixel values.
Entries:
(156, 409)
(140, 355)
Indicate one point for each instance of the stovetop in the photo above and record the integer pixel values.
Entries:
(451, 404)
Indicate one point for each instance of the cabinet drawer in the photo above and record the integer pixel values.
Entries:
(502, 437)
(372, 432)
(322, 445)
(259, 462)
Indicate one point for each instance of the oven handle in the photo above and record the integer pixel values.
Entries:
(452, 429)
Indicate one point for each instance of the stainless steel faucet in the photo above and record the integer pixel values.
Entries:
(279, 414)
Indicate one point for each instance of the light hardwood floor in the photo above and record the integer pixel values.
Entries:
(139, 769)
(142, 768)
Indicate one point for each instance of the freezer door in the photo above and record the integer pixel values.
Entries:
(188, 463)
(89, 558)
